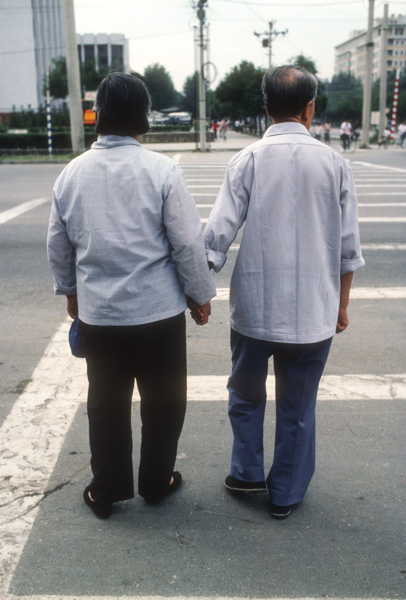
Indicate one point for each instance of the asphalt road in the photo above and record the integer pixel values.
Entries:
(345, 541)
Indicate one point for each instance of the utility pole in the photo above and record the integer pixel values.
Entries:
(384, 71)
(202, 86)
(72, 66)
(268, 37)
(366, 107)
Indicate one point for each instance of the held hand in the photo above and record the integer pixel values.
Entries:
(200, 314)
(72, 305)
(342, 321)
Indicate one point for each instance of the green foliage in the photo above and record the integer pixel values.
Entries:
(390, 90)
(58, 79)
(239, 94)
(30, 119)
(160, 86)
(166, 128)
(345, 93)
(40, 141)
(90, 77)
(189, 98)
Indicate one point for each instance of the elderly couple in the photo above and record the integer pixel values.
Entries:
(125, 246)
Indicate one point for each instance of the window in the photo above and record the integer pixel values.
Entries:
(89, 52)
(399, 30)
(102, 54)
(117, 60)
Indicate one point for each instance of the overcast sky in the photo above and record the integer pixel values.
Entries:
(161, 31)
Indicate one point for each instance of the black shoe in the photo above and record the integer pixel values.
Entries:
(177, 480)
(236, 485)
(102, 510)
(281, 512)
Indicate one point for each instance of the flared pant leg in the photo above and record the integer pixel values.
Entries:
(298, 370)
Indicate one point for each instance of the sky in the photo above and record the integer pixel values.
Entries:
(162, 31)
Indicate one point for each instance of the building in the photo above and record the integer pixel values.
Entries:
(350, 56)
(104, 50)
(31, 36)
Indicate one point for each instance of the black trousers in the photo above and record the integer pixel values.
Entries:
(154, 355)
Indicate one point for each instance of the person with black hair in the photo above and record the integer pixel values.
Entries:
(125, 246)
(290, 285)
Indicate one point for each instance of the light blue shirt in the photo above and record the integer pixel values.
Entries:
(125, 235)
(297, 199)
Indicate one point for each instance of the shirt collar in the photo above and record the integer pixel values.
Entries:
(112, 141)
(287, 127)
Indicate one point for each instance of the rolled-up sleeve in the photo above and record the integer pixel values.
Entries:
(351, 255)
(184, 231)
(61, 254)
(229, 211)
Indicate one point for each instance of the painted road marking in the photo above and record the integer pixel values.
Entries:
(378, 185)
(32, 436)
(360, 219)
(357, 293)
(122, 597)
(368, 247)
(381, 204)
(12, 213)
(371, 165)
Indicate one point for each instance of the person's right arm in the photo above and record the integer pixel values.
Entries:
(345, 286)
(229, 211)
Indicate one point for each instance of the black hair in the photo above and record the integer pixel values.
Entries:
(122, 105)
(287, 90)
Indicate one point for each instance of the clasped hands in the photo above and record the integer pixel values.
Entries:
(200, 314)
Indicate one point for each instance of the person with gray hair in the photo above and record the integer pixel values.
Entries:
(126, 248)
(290, 285)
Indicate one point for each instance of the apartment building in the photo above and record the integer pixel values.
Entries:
(350, 56)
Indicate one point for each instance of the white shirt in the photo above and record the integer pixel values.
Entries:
(297, 199)
(125, 235)
(346, 127)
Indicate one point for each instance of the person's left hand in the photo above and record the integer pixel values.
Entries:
(200, 314)
(342, 321)
(72, 305)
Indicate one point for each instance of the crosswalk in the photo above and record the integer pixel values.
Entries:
(32, 436)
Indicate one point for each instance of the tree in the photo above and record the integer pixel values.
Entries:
(160, 86)
(239, 94)
(189, 98)
(345, 94)
(308, 64)
(90, 77)
(58, 79)
(390, 91)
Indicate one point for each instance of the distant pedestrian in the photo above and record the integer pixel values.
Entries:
(223, 129)
(327, 132)
(402, 133)
(385, 138)
(345, 136)
(215, 127)
(290, 286)
(125, 247)
(318, 130)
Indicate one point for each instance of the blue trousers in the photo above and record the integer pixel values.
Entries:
(298, 369)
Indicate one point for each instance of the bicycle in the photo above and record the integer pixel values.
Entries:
(354, 141)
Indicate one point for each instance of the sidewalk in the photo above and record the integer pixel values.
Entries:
(234, 143)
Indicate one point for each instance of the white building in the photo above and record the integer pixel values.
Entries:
(350, 56)
(31, 36)
(105, 50)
